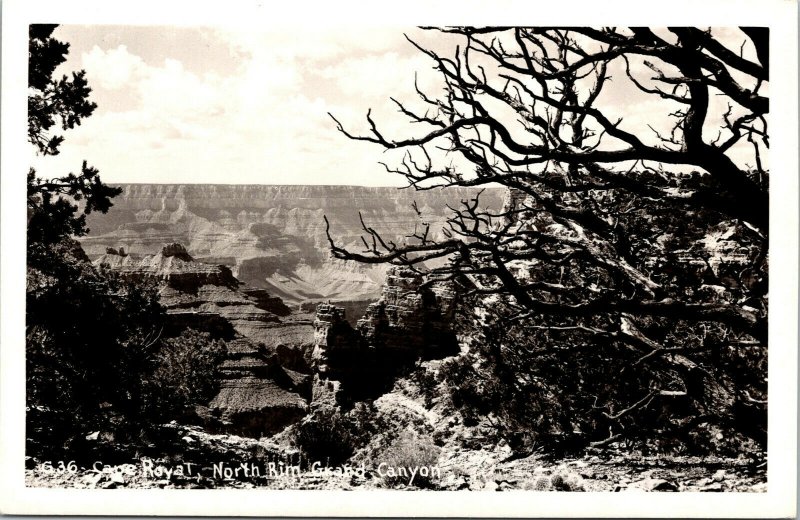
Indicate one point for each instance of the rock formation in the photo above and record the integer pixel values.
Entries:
(408, 323)
(278, 361)
(173, 265)
(410, 317)
(272, 237)
(257, 395)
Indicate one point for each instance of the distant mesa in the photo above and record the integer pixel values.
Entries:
(272, 237)
(172, 264)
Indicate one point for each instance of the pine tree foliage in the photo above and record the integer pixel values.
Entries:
(96, 358)
(60, 103)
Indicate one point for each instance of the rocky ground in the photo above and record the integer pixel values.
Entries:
(461, 469)
(611, 472)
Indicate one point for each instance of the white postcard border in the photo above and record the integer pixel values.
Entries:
(778, 501)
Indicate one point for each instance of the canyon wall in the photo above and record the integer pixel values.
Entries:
(411, 321)
(259, 392)
(279, 363)
(229, 258)
(273, 237)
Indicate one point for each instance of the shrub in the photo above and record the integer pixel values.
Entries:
(185, 374)
(407, 456)
(89, 340)
(545, 392)
(326, 436)
(94, 360)
(562, 480)
(427, 383)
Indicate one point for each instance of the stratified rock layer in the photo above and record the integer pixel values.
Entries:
(257, 395)
(191, 287)
(273, 237)
(408, 323)
(411, 318)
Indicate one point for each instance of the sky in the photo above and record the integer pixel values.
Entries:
(248, 106)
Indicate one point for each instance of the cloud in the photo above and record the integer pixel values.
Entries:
(309, 43)
(254, 127)
(266, 122)
(266, 119)
(171, 90)
(380, 75)
(111, 69)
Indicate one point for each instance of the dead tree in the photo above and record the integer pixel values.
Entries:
(656, 244)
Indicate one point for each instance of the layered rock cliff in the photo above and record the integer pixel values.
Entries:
(258, 395)
(279, 363)
(273, 237)
(409, 322)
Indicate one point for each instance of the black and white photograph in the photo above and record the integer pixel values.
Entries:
(455, 261)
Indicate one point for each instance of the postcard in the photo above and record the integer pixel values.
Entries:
(350, 259)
